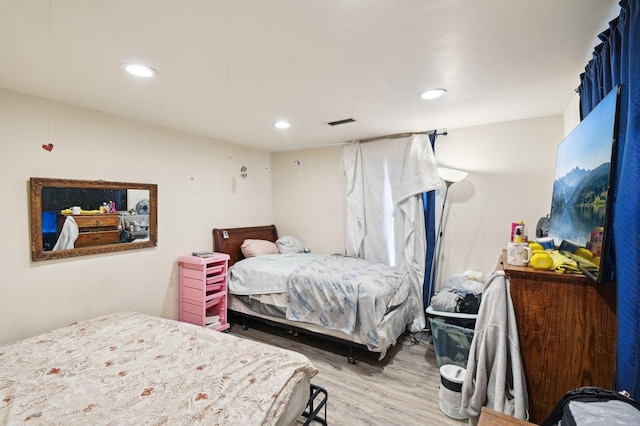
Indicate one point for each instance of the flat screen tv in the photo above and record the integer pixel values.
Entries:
(581, 205)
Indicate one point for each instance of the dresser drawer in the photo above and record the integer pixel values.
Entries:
(97, 221)
(98, 238)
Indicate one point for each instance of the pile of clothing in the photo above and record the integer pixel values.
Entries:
(460, 293)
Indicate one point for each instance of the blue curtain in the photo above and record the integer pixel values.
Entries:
(429, 201)
(617, 61)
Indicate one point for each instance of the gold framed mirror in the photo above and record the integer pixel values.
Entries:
(81, 217)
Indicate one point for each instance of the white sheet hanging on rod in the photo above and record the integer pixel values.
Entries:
(385, 218)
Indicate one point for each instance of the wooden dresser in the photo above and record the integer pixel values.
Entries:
(489, 417)
(567, 331)
(95, 229)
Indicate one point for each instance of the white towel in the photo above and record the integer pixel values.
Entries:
(68, 235)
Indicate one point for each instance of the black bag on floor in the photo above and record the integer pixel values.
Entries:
(594, 406)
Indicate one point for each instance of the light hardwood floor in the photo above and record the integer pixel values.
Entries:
(402, 389)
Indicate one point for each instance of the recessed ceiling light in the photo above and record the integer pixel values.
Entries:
(432, 94)
(140, 70)
(282, 124)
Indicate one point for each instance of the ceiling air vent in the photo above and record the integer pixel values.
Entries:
(338, 122)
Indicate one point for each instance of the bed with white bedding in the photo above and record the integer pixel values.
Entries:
(131, 368)
(337, 296)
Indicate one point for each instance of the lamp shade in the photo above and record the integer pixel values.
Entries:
(451, 175)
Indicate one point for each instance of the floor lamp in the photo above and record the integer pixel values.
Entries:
(449, 176)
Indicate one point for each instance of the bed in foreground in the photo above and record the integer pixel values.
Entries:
(131, 368)
(342, 298)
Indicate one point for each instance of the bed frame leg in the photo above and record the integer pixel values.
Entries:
(350, 358)
(312, 410)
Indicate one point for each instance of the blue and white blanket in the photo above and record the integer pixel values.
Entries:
(336, 292)
(265, 274)
(340, 293)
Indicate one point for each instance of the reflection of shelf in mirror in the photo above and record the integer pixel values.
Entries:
(93, 229)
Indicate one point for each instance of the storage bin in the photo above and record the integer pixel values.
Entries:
(451, 342)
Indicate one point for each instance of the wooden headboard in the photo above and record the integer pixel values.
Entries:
(229, 240)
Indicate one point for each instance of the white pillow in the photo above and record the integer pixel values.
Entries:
(289, 244)
(252, 248)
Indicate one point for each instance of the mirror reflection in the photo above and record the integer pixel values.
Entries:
(83, 217)
(72, 218)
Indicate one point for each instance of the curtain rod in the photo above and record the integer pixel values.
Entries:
(403, 135)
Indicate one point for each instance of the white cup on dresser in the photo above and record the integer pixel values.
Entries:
(518, 254)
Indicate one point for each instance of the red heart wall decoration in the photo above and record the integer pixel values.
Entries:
(48, 147)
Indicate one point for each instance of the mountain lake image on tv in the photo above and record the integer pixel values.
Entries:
(581, 201)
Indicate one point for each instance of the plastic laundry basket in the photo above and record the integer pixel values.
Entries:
(451, 342)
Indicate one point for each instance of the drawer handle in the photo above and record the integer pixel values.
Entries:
(97, 222)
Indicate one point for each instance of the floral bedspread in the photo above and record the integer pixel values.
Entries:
(130, 368)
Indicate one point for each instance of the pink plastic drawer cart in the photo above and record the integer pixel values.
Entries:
(203, 290)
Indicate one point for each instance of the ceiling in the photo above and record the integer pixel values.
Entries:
(228, 69)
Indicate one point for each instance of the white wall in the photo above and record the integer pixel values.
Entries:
(309, 199)
(511, 167)
(572, 115)
(199, 188)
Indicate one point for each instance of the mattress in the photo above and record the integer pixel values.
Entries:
(240, 304)
(388, 330)
(338, 293)
(131, 368)
(269, 274)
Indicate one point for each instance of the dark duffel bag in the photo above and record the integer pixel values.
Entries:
(591, 406)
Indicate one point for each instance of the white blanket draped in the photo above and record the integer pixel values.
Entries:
(68, 235)
(385, 217)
